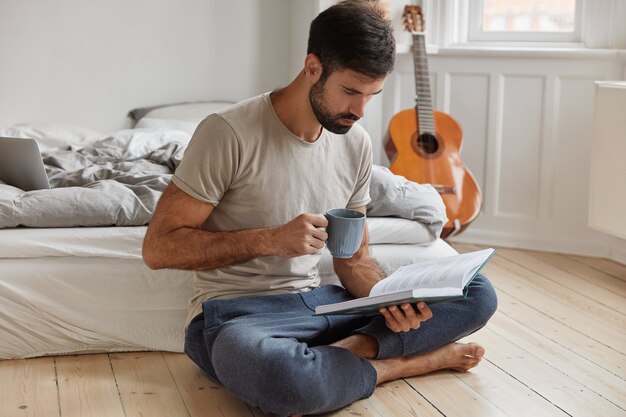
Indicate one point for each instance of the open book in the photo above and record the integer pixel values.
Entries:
(431, 281)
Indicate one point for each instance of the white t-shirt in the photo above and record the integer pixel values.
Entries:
(258, 174)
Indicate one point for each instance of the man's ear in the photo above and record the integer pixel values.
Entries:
(312, 67)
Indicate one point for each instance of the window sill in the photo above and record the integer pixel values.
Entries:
(518, 51)
(532, 52)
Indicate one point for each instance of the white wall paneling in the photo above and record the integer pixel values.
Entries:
(469, 100)
(526, 121)
(520, 146)
(537, 155)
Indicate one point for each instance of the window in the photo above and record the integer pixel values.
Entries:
(525, 20)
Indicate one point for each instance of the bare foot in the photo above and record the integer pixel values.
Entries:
(458, 357)
(361, 345)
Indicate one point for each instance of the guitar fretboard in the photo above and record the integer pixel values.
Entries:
(423, 106)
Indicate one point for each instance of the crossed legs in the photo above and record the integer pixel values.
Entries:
(273, 353)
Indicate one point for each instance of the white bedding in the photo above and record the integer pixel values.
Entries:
(87, 289)
(57, 305)
(104, 242)
(53, 135)
(118, 181)
(125, 242)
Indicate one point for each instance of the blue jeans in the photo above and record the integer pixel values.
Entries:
(273, 353)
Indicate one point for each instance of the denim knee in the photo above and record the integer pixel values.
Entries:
(283, 376)
(485, 300)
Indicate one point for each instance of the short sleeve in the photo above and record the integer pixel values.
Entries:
(361, 195)
(210, 163)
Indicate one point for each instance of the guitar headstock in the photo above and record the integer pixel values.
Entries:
(413, 19)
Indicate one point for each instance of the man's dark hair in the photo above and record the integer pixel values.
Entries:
(353, 35)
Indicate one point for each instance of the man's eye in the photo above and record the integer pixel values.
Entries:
(350, 93)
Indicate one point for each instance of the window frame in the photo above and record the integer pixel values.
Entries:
(475, 33)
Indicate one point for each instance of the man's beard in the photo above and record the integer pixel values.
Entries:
(327, 120)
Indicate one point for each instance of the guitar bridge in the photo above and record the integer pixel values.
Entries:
(444, 189)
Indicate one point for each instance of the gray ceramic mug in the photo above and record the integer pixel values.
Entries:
(345, 231)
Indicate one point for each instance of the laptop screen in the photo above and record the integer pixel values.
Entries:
(21, 165)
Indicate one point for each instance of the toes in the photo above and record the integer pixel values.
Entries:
(474, 350)
(468, 357)
(479, 352)
(471, 362)
(466, 364)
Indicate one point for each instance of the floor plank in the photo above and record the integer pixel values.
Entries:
(555, 386)
(28, 388)
(612, 294)
(606, 266)
(198, 391)
(87, 386)
(507, 393)
(396, 398)
(599, 380)
(583, 271)
(146, 386)
(452, 397)
(571, 339)
(578, 312)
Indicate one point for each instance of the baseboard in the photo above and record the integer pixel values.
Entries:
(618, 255)
(548, 243)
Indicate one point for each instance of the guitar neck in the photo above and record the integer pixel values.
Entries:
(423, 106)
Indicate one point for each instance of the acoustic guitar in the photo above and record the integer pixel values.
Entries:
(424, 145)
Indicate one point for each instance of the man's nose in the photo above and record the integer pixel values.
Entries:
(358, 106)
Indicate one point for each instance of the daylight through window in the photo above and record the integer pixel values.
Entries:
(529, 15)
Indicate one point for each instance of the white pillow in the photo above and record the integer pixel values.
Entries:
(135, 143)
(183, 116)
(154, 123)
(394, 230)
(192, 112)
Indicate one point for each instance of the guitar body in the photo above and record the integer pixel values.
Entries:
(434, 159)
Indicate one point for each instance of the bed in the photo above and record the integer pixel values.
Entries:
(73, 281)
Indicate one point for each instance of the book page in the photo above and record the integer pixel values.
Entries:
(452, 271)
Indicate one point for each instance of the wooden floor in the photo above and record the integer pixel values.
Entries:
(555, 348)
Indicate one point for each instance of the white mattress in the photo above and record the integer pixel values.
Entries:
(87, 289)
(125, 242)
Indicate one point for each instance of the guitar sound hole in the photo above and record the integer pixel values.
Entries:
(427, 143)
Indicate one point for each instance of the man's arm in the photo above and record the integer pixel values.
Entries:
(361, 272)
(175, 239)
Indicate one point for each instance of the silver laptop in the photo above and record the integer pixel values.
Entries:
(21, 165)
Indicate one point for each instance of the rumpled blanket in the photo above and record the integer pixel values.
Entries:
(117, 181)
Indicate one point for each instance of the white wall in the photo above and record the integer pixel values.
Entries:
(251, 41)
(88, 63)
